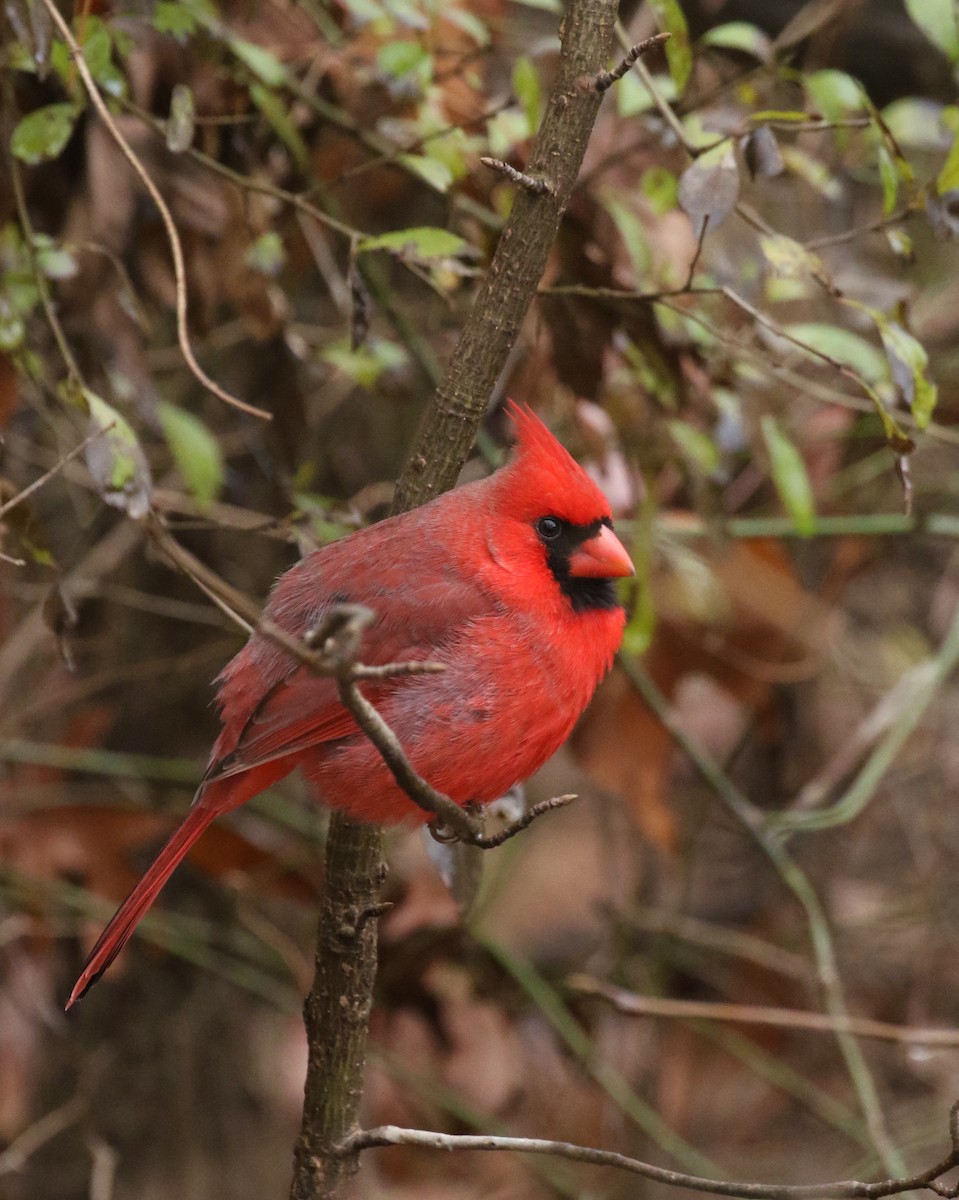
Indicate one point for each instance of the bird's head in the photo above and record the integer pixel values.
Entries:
(563, 516)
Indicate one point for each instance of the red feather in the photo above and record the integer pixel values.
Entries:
(465, 580)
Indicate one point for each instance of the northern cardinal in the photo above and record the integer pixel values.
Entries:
(507, 581)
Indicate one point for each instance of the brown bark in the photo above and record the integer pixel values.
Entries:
(338, 1006)
(450, 423)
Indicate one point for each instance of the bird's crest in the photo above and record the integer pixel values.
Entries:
(546, 477)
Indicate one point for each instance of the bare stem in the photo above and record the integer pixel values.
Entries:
(635, 1005)
(843, 1189)
(605, 79)
(539, 187)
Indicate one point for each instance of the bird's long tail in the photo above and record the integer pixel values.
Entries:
(128, 915)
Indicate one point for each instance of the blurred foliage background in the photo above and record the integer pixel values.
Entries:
(748, 334)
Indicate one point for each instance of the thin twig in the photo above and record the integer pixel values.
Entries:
(54, 470)
(733, 943)
(898, 440)
(876, 226)
(490, 841)
(700, 240)
(229, 600)
(633, 1004)
(539, 187)
(666, 111)
(605, 79)
(260, 187)
(801, 383)
(173, 237)
(844, 1189)
(15, 1157)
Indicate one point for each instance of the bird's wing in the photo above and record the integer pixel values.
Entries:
(273, 707)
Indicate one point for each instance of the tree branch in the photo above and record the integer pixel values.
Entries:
(354, 858)
(448, 429)
(844, 1189)
(635, 1005)
(605, 79)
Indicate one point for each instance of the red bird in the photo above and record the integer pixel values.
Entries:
(506, 581)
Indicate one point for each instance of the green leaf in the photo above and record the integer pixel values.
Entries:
(115, 459)
(889, 177)
(788, 258)
(630, 229)
(918, 123)
(399, 58)
(910, 370)
(505, 130)
(367, 363)
(267, 254)
(278, 117)
(672, 20)
(265, 66)
(174, 19)
(42, 134)
(842, 345)
(633, 96)
(948, 178)
(908, 363)
(195, 451)
(741, 36)
(698, 448)
(468, 22)
(790, 476)
(527, 91)
(642, 622)
(660, 187)
(423, 241)
(939, 21)
(900, 243)
(431, 170)
(812, 171)
(834, 94)
(29, 48)
(13, 331)
(796, 115)
(97, 47)
(846, 347)
(55, 262)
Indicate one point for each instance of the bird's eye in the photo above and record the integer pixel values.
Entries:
(549, 528)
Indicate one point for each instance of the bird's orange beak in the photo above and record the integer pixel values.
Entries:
(602, 557)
